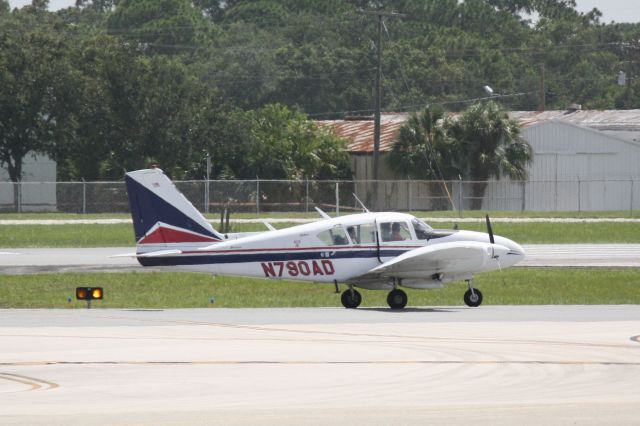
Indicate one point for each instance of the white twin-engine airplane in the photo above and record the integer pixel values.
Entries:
(375, 251)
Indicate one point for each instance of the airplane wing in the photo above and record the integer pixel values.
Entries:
(452, 258)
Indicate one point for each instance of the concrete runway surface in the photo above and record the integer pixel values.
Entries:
(530, 365)
(31, 260)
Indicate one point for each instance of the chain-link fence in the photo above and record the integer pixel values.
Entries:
(261, 196)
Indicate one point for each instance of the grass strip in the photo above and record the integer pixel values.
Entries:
(515, 286)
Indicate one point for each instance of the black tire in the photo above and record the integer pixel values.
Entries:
(351, 299)
(397, 299)
(474, 299)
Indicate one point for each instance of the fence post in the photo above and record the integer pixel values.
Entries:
(524, 195)
(206, 196)
(19, 196)
(409, 183)
(631, 198)
(460, 197)
(337, 199)
(579, 195)
(84, 196)
(206, 185)
(257, 195)
(306, 206)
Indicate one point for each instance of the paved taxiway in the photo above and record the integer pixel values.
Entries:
(31, 260)
(490, 365)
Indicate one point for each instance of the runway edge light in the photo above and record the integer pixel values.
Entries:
(89, 293)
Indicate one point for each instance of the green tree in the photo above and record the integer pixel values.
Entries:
(424, 150)
(490, 146)
(284, 144)
(139, 109)
(37, 91)
(165, 26)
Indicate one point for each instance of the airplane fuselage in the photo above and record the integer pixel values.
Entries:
(332, 250)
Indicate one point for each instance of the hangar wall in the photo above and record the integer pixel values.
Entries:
(37, 189)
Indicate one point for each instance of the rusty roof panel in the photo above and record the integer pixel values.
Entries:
(360, 132)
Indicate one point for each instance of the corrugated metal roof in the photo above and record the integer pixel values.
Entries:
(622, 120)
(360, 132)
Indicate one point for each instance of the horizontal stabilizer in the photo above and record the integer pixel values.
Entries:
(160, 253)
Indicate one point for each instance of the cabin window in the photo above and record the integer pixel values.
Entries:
(335, 236)
(423, 231)
(394, 231)
(362, 234)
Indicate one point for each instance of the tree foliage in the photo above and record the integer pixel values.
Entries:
(479, 144)
(110, 85)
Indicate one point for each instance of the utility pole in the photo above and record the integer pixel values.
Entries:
(542, 96)
(378, 89)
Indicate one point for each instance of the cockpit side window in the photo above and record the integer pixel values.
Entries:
(394, 231)
(423, 231)
(362, 233)
(335, 236)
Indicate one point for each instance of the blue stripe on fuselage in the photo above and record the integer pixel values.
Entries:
(207, 259)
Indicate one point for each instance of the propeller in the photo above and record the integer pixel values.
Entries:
(490, 230)
(493, 241)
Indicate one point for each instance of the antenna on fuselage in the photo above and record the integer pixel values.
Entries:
(321, 213)
(361, 203)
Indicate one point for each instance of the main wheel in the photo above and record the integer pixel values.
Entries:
(473, 299)
(397, 299)
(351, 299)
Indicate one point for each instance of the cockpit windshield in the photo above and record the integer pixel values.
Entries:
(423, 231)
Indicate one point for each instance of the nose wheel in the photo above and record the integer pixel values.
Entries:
(351, 298)
(473, 297)
(397, 299)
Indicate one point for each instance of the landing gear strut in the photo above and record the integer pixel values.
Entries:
(351, 298)
(397, 299)
(473, 296)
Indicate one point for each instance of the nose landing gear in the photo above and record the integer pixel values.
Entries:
(473, 296)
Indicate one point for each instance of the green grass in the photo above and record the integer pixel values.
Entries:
(118, 235)
(515, 286)
(559, 233)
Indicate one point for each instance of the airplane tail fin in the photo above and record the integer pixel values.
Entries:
(162, 216)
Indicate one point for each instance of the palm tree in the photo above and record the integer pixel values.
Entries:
(489, 146)
(425, 151)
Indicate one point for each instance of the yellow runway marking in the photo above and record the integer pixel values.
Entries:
(33, 383)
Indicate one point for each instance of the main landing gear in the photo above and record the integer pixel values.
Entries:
(351, 298)
(473, 296)
(397, 299)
